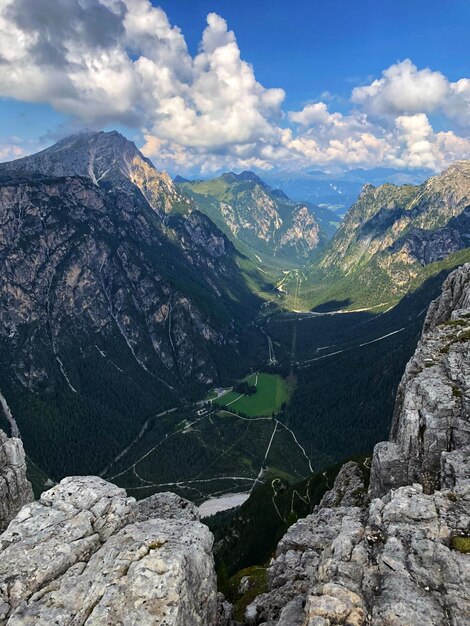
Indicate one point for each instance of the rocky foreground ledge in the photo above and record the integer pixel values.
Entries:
(395, 553)
(78, 556)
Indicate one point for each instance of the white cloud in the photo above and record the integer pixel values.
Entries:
(10, 151)
(139, 71)
(107, 61)
(405, 90)
(316, 113)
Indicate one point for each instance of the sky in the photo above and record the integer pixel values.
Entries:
(205, 86)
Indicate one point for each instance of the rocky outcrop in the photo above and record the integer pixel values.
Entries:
(455, 297)
(428, 246)
(167, 505)
(78, 556)
(306, 546)
(432, 412)
(398, 555)
(15, 488)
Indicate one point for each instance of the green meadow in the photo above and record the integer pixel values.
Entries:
(271, 392)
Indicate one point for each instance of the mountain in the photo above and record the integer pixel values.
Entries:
(118, 299)
(263, 222)
(390, 236)
(337, 191)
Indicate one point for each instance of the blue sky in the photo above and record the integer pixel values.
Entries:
(309, 47)
(275, 85)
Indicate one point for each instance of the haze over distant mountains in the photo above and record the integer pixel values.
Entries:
(391, 237)
(338, 191)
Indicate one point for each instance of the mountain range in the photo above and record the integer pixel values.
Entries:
(391, 239)
(263, 222)
(337, 191)
(125, 296)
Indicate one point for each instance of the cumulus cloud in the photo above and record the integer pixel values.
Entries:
(106, 61)
(121, 60)
(405, 90)
(389, 123)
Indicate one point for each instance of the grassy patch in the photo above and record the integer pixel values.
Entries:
(461, 544)
(254, 586)
(456, 392)
(453, 323)
(271, 392)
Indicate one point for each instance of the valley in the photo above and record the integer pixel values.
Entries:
(134, 296)
(234, 313)
(328, 416)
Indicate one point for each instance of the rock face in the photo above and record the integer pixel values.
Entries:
(432, 412)
(391, 232)
(78, 556)
(260, 219)
(382, 216)
(109, 278)
(400, 559)
(15, 488)
(167, 505)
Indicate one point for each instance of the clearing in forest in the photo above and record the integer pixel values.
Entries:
(271, 393)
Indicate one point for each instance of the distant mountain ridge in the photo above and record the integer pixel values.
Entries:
(262, 222)
(390, 234)
(339, 190)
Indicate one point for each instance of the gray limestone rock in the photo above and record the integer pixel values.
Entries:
(15, 488)
(432, 412)
(153, 572)
(77, 556)
(400, 559)
(167, 505)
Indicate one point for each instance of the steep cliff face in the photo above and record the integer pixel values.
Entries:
(261, 220)
(78, 555)
(432, 411)
(100, 288)
(383, 215)
(15, 489)
(392, 233)
(402, 559)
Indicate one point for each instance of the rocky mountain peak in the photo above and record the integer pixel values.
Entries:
(96, 155)
(366, 189)
(232, 177)
(106, 158)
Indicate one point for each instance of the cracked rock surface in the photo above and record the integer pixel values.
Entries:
(77, 556)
